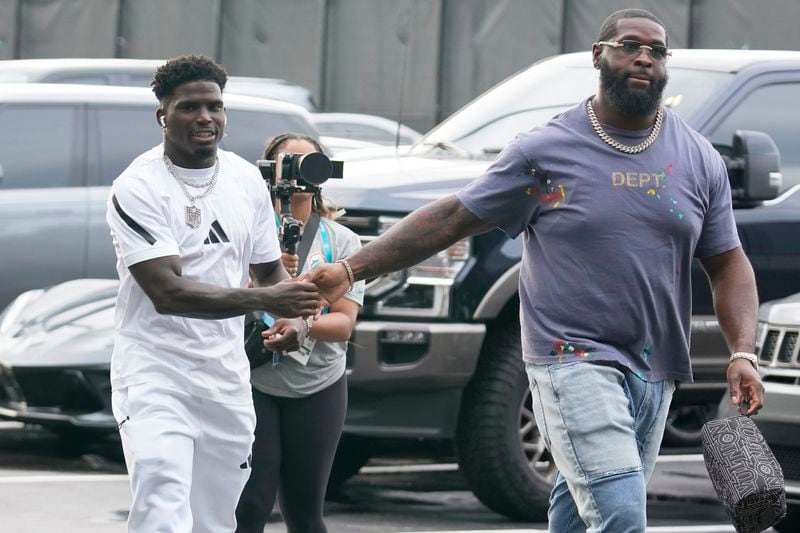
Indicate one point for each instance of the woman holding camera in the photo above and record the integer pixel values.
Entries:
(301, 398)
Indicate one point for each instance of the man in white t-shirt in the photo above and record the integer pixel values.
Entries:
(189, 223)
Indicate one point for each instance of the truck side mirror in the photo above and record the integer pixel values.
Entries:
(754, 167)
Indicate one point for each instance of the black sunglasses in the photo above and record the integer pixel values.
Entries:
(632, 48)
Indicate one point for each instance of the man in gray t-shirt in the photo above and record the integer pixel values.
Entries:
(614, 198)
(609, 238)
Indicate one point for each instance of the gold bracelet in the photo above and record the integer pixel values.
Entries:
(350, 277)
(753, 358)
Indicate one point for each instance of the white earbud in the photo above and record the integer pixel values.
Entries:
(163, 122)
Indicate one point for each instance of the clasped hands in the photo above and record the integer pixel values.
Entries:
(305, 296)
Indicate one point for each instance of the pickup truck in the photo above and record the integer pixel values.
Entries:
(435, 359)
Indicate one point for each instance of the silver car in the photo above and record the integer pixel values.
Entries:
(55, 351)
(139, 73)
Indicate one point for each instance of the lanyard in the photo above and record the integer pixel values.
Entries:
(326, 242)
(327, 251)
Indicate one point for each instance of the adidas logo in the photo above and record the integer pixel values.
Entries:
(216, 234)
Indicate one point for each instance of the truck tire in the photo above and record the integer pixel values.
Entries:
(351, 454)
(790, 524)
(684, 425)
(498, 445)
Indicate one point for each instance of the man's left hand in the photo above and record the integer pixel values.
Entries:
(285, 335)
(745, 385)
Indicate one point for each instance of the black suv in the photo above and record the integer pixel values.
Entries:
(435, 357)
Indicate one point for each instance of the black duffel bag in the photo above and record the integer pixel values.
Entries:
(744, 472)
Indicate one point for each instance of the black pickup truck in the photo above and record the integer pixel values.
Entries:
(435, 357)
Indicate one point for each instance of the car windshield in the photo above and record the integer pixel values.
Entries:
(277, 91)
(533, 96)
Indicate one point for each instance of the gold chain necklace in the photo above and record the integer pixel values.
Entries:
(644, 145)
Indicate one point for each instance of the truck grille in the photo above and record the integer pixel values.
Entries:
(780, 348)
(789, 459)
(788, 347)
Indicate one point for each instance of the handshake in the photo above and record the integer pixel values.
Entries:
(301, 301)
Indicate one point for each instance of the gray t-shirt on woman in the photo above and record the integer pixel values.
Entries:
(608, 238)
(326, 363)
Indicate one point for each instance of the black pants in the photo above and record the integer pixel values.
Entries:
(295, 443)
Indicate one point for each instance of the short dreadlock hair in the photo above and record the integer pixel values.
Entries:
(609, 27)
(184, 69)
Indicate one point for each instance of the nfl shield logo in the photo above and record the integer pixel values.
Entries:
(192, 216)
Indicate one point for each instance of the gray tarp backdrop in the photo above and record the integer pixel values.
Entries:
(428, 57)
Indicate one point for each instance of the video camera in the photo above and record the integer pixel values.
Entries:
(299, 173)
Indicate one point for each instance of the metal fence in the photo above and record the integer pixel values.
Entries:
(424, 58)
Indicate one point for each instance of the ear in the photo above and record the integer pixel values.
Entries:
(596, 51)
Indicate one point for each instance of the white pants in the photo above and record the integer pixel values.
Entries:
(188, 459)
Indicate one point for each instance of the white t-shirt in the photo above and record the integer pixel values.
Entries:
(145, 211)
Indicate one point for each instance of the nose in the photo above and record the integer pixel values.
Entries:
(643, 57)
(204, 117)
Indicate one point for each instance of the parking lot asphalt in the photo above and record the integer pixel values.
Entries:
(46, 486)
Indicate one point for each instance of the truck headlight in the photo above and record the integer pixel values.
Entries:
(422, 290)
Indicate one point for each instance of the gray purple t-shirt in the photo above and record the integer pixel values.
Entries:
(608, 238)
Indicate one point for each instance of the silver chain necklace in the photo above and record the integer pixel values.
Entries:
(192, 212)
(644, 145)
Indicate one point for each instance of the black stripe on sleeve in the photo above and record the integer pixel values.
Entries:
(132, 223)
(220, 231)
(213, 236)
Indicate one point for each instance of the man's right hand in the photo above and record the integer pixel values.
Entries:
(292, 298)
(331, 279)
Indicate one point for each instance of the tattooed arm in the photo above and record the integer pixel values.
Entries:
(421, 234)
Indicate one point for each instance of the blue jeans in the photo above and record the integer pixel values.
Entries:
(603, 426)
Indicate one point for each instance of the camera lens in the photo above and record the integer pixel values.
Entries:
(314, 168)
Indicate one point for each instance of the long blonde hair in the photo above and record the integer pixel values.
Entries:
(322, 206)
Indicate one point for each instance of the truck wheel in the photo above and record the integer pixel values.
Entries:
(351, 454)
(790, 524)
(685, 423)
(498, 445)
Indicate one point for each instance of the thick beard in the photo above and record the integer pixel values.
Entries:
(622, 99)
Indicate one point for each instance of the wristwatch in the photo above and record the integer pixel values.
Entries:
(309, 322)
(753, 358)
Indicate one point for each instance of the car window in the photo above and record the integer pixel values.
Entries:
(136, 80)
(265, 88)
(248, 131)
(773, 110)
(78, 79)
(124, 133)
(37, 146)
(361, 132)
